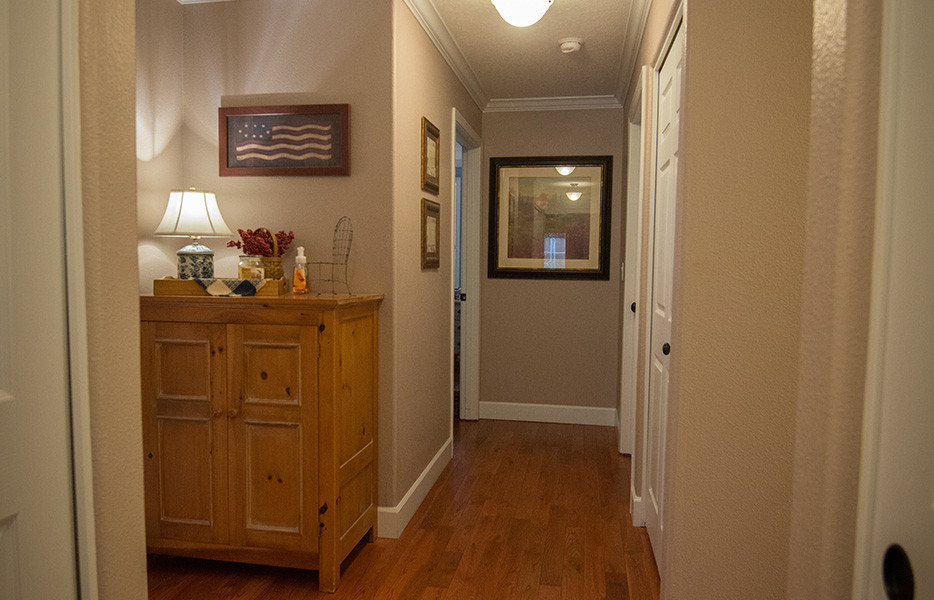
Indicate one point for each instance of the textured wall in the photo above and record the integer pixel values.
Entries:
(739, 260)
(423, 85)
(553, 341)
(835, 316)
(108, 172)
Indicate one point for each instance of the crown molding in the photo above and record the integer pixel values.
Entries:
(559, 103)
(441, 37)
(635, 29)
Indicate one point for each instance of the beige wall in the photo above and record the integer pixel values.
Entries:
(738, 300)
(108, 187)
(553, 341)
(835, 315)
(423, 85)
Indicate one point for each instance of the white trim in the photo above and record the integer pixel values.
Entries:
(441, 37)
(629, 360)
(77, 314)
(471, 248)
(636, 508)
(635, 29)
(863, 567)
(557, 103)
(548, 413)
(392, 520)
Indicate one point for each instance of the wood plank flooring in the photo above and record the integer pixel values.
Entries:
(524, 511)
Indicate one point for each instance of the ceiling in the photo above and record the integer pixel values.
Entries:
(521, 68)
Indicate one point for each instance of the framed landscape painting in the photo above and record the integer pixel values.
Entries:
(550, 217)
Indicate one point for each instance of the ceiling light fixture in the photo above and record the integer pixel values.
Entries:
(573, 195)
(522, 13)
(565, 170)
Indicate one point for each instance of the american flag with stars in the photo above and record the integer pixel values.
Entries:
(268, 141)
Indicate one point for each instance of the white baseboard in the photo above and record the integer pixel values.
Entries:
(636, 508)
(391, 520)
(548, 413)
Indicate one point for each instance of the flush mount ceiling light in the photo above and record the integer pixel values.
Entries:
(574, 195)
(522, 13)
(565, 170)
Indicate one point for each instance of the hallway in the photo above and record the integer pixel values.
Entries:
(525, 510)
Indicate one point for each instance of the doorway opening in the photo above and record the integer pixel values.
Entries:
(458, 221)
(466, 155)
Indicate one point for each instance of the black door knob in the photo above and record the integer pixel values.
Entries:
(632, 307)
(897, 576)
(666, 348)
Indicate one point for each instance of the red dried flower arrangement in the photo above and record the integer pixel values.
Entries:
(259, 242)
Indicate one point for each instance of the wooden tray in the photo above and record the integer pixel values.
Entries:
(190, 287)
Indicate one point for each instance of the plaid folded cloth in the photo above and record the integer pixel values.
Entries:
(231, 287)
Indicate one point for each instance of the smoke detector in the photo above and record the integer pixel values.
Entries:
(569, 45)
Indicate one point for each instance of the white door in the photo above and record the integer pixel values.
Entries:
(668, 111)
(37, 547)
(895, 545)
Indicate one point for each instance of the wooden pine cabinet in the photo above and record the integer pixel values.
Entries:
(259, 428)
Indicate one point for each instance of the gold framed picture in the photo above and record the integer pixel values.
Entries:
(431, 157)
(431, 234)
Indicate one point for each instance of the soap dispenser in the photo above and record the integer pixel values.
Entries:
(300, 274)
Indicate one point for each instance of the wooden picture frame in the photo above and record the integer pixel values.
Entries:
(431, 157)
(309, 139)
(537, 231)
(431, 234)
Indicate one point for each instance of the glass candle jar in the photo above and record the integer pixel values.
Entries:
(250, 267)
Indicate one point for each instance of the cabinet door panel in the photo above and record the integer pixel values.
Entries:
(273, 441)
(273, 459)
(184, 440)
(355, 409)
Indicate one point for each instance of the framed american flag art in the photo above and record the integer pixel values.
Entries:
(310, 139)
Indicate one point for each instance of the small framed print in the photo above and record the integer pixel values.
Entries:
(431, 157)
(431, 234)
(310, 139)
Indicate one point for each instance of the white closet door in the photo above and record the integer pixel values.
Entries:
(666, 198)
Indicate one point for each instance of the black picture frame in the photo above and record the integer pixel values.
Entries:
(303, 140)
(536, 230)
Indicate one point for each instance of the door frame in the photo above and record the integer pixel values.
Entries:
(471, 216)
(632, 284)
(74, 293)
(83, 480)
(895, 24)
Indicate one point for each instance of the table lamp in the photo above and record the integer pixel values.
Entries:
(193, 213)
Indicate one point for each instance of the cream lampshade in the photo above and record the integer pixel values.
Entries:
(194, 214)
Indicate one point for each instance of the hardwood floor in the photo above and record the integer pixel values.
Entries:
(525, 510)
